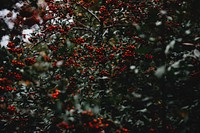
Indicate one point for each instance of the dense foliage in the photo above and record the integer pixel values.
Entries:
(100, 66)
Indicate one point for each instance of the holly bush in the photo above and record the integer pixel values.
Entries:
(100, 66)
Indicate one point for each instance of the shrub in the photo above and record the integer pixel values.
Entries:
(101, 66)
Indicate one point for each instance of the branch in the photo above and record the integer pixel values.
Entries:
(85, 29)
(42, 40)
(89, 12)
(117, 25)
